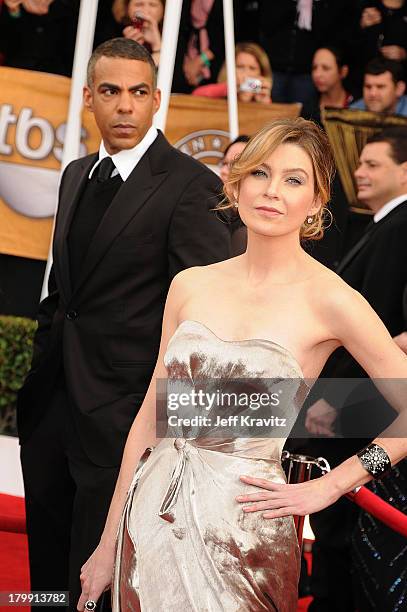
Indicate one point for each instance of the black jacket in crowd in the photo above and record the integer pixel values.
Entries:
(291, 49)
(40, 42)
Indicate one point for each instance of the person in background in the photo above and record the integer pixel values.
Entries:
(329, 70)
(380, 28)
(143, 20)
(253, 76)
(201, 44)
(383, 88)
(328, 73)
(232, 151)
(203, 50)
(374, 267)
(384, 24)
(39, 34)
(291, 32)
(238, 230)
(36, 7)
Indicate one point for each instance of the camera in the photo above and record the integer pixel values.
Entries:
(138, 21)
(251, 85)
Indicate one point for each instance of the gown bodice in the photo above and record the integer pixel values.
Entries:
(234, 378)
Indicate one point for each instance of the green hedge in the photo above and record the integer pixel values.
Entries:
(16, 341)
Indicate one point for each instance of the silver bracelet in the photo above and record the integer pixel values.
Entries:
(375, 460)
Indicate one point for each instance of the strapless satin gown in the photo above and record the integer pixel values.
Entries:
(184, 543)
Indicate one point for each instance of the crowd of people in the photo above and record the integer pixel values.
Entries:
(314, 53)
(85, 386)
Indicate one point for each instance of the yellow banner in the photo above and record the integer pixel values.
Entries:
(33, 111)
(200, 126)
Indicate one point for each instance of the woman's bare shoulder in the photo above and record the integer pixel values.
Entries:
(203, 275)
(332, 294)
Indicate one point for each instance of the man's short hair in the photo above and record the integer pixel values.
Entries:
(396, 137)
(124, 48)
(380, 64)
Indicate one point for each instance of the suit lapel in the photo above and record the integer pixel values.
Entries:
(72, 189)
(370, 231)
(350, 255)
(129, 199)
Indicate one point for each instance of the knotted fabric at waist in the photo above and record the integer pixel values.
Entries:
(247, 449)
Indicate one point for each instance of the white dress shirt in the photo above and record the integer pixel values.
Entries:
(389, 207)
(127, 159)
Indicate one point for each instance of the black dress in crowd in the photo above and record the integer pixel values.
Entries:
(379, 554)
(40, 42)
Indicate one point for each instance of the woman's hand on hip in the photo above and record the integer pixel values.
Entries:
(276, 499)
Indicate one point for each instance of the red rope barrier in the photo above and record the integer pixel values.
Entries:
(380, 509)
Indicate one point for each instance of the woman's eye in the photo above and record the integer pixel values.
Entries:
(294, 180)
(258, 172)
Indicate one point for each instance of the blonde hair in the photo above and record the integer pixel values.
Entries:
(308, 136)
(257, 52)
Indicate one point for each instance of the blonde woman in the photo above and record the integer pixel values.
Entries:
(271, 316)
(253, 76)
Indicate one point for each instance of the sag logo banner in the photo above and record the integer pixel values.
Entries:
(33, 111)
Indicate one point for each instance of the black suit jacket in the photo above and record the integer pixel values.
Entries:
(105, 333)
(378, 271)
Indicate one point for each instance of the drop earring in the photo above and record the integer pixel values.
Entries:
(236, 204)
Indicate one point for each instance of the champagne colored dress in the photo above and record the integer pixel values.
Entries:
(184, 543)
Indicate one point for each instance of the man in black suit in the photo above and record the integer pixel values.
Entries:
(376, 267)
(129, 219)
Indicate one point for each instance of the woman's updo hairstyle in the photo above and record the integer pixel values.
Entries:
(313, 140)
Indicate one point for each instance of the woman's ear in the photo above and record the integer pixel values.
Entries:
(232, 193)
(316, 207)
(344, 72)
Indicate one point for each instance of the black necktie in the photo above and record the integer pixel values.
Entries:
(105, 169)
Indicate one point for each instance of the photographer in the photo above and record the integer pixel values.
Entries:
(253, 76)
(142, 21)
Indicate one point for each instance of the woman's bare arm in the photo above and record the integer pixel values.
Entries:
(358, 328)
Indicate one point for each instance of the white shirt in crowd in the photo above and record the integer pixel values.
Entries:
(389, 207)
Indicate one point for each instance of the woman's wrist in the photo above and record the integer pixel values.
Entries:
(108, 542)
(348, 475)
(206, 57)
(375, 460)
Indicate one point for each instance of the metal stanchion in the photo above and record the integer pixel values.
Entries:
(298, 469)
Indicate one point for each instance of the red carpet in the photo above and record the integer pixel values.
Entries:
(14, 575)
(12, 514)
